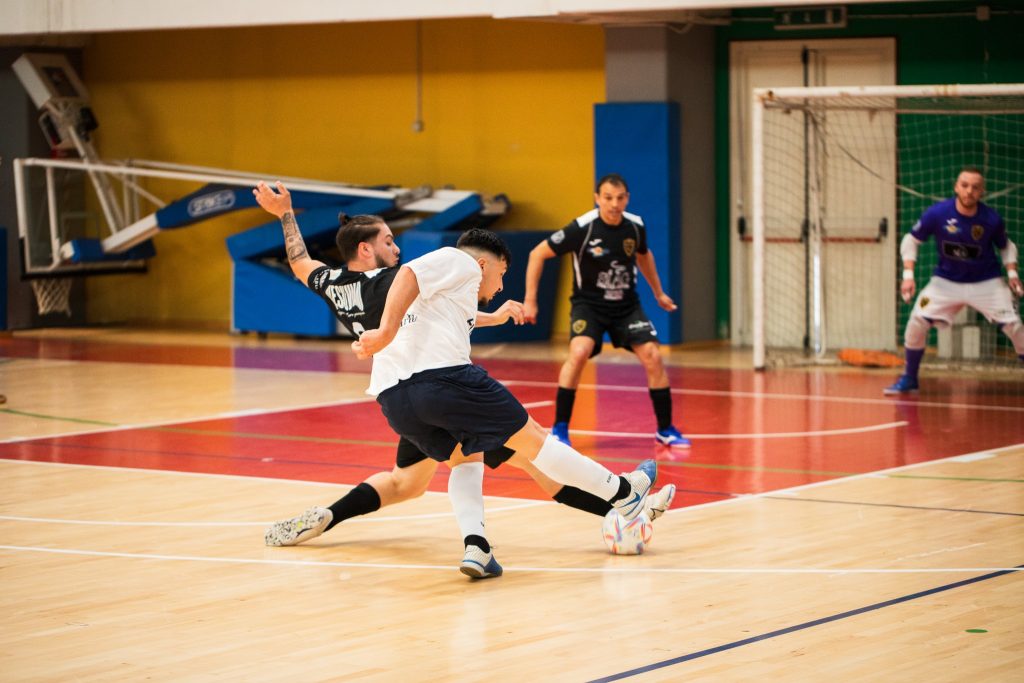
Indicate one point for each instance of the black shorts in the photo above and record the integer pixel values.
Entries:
(408, 454)
(436, 410)
(626, 328)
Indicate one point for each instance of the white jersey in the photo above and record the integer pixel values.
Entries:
(435, 331)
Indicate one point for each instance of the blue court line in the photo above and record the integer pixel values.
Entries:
(800, 627)
(893, 505)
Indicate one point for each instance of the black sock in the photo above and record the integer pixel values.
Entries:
(624, 488)
(581, 500)
(564, 400)
(478, 541)
(361, 500)
(662, 400)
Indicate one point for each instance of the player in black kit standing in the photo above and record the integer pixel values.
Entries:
(608, 245)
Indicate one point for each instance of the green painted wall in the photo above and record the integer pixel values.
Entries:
(936, 42)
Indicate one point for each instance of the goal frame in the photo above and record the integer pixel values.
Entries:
(762, 98)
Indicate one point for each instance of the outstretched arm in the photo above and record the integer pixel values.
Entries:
(534, 267)
(645, 262)
(509, 309)
(403, 292)
(280, 204)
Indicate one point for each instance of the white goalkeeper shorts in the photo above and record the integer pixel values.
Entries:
(942, 299)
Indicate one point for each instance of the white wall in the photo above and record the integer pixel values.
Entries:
(20, 17)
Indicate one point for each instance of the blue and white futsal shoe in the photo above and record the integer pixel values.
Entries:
(477, 564)
(658, 503)
(641, 480)
(560, 430)
(309, 524)
(671, 437)
(904, 385)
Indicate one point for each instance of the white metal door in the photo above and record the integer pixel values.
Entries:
(776, 64)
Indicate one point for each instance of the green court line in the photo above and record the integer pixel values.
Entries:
(272, 437)
(741, 468)
(200, 432)
(367, 442)
(58, 418)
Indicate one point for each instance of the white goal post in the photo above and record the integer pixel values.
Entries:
(838, 175)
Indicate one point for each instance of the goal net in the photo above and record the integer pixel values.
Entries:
(839, 176)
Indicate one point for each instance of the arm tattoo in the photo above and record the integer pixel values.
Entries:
(293, 244)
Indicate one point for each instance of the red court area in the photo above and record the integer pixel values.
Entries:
(751, 432)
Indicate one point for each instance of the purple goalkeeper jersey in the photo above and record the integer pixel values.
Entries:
(966, 244)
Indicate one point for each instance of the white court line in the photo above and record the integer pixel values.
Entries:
(538, 404)
(790, 397)
(233, 477)
(107, 428)
(589, 570)
(794, 490)
(426, 516)
(763, 435)
(690, 509)
(560, 570)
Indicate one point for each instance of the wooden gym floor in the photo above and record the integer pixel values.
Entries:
(821, 531)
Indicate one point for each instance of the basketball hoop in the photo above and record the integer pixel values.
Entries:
(53, 295)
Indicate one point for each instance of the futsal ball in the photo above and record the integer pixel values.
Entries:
(627, 538)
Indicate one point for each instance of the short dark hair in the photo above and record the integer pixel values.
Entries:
(485, 240)
(351, 231)
(614, 179)
(970, 169)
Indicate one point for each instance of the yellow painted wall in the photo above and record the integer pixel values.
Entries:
(507, 107)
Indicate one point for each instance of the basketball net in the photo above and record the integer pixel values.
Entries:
(53, 295)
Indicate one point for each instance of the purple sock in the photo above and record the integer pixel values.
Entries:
(914, 357)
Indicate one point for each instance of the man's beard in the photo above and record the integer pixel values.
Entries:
(381, 263)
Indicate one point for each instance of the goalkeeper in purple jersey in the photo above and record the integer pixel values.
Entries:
(973, 246)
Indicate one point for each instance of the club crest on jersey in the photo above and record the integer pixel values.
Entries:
(578, 326)
(977, 232)
(924, 301)
(629, 246)
(951, 227)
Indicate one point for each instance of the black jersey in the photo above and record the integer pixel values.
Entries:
(357, 298)
(604, 258)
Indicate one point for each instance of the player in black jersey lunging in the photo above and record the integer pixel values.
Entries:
(607, 244)
(357, 293)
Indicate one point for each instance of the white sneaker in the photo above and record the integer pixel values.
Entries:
(309, 524)
(641, 479)
(658, 503)
(479, 565)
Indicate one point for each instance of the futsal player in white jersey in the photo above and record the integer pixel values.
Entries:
(357, 293)
(971, 240)
(433, 395)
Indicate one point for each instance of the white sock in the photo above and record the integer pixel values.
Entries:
(465, 489)
(567, 466)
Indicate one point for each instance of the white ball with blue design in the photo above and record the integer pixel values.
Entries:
(627, 538)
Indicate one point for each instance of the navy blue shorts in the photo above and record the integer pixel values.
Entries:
(408, 454)
(439, 409)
